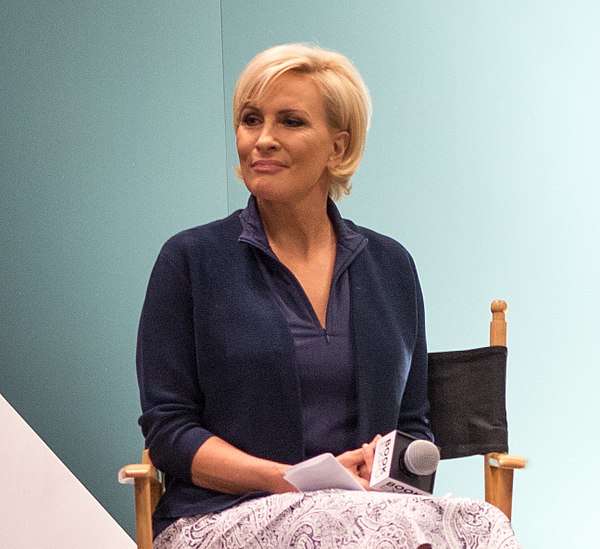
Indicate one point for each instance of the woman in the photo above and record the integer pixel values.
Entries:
(282, 332)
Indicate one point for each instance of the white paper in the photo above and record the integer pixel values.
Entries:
(319, 473)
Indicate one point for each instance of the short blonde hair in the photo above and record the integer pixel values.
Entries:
(346, 97)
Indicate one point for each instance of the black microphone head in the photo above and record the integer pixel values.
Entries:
(421, 457)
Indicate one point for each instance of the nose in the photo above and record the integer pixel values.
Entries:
(267, 139)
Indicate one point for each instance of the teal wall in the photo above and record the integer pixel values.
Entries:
(482, 159)
(112, 139)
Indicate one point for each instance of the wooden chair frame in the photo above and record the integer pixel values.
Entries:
(148, 487)
(498, 467)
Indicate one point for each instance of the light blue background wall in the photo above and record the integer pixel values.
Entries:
(482, 159)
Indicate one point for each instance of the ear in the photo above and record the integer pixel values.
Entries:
(341, 140)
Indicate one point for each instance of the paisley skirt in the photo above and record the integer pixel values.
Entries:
(338, 518)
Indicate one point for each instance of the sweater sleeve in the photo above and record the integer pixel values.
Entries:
(171, 399)
(414, 409)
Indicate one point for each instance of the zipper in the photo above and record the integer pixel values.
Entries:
(269, 253)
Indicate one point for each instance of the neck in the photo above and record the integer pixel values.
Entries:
(296, 227)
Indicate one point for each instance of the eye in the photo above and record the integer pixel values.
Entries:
(293, 122)
(250, 119)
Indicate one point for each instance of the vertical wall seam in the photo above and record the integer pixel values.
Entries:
(228, 198)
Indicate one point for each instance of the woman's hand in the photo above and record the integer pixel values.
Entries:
(359, 462)
(219, 466)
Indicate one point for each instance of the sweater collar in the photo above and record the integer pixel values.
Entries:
(348, 241)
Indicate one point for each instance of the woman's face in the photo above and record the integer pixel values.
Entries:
(285, 146)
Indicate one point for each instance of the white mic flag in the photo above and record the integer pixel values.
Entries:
(404, 464)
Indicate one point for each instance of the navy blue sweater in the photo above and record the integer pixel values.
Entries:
(216, 357)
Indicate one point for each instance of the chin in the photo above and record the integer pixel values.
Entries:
(266, 190)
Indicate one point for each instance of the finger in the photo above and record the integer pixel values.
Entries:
(375, 440)
(352, 458)
(368, 455)
(360, 479)
(363, 472)
(364, 483)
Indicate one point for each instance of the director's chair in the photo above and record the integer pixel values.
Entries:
(468, 417)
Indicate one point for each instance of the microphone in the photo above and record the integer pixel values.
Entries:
(404, 464)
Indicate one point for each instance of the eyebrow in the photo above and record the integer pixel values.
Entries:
(282, 111)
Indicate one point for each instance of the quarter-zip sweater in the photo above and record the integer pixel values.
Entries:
(216, 356)
(323, 354)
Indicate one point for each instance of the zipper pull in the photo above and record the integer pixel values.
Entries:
(326, 335)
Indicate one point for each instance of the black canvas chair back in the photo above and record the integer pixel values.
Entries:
(467, 396)
(467, 393)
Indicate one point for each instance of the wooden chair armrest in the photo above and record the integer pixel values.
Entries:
(506, 461)
(129, 473)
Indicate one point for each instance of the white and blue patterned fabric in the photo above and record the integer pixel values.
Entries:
(337, 518)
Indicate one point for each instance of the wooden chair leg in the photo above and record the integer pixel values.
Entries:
(143, 513)
(499, 487)
(499, 470)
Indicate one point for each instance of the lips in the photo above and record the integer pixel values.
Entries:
(267, 165)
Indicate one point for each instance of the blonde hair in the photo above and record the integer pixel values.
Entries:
(346, 97)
